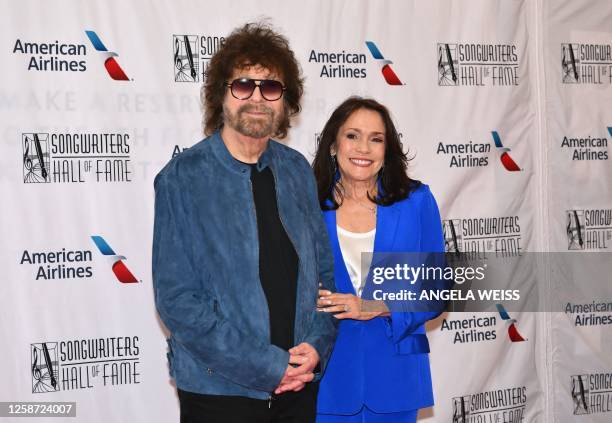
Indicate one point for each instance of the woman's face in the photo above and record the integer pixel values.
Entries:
(360, 146)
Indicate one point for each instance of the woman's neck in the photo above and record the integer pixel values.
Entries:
(358, 190)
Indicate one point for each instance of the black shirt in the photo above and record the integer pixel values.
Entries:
(278, 261)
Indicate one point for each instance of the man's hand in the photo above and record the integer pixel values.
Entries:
(306, 358)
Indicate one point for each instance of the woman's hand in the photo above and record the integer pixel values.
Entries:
(349, 306)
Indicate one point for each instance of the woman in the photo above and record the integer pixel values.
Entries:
(379, 368)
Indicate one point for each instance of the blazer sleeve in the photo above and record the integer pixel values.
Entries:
(189, 309)
(401, 324)
(322, 333)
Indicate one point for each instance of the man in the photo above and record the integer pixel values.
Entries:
(240, 247)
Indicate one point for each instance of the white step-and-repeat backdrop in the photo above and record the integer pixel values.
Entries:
(506, 106)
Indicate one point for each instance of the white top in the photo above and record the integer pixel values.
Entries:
(352, 244)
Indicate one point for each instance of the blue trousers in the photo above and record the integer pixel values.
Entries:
(368, 416)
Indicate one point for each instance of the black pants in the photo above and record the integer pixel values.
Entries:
(290, 407)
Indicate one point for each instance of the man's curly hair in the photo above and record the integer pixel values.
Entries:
(251, 45)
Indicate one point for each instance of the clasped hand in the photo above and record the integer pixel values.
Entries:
(303, 359)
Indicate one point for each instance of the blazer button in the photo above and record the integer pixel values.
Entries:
(209, 370)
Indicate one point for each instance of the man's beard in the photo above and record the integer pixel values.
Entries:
(254, 127)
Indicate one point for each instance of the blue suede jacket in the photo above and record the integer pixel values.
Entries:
(206, 268)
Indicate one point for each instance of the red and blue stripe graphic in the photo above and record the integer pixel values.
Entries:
(120, 270)
(513, 332)
(509, 164)
(111, 65)
(386, 70)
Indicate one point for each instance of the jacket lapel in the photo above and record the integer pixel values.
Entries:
(343, 280)
(386, 226)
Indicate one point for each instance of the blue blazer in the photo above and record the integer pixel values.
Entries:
(383, 362)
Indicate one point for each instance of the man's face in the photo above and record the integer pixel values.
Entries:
(254, 117)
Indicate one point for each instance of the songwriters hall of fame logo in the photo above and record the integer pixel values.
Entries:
(36, 159)
(192, 53)
(76, 157)
(81, 364)
(493, 234)
(589, 229)
(586, 63)
(591, 393)
(476, 65)
(505, 405)
(45, 367)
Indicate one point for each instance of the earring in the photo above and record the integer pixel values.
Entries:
(334, 163)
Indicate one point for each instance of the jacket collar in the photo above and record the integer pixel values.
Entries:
(225, 157)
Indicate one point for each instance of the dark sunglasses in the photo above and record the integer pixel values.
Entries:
(243, 88)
